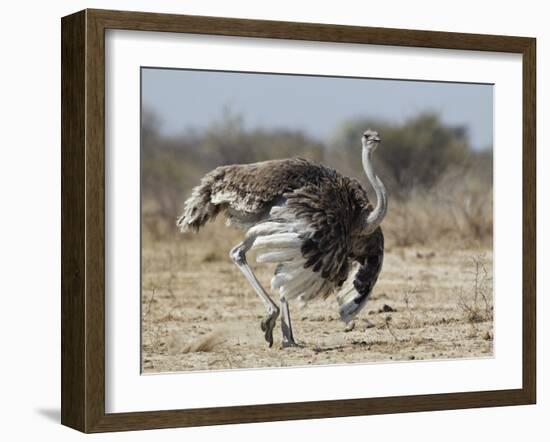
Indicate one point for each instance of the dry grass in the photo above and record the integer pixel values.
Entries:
(477, 303)
(458, 210)
(208, 342)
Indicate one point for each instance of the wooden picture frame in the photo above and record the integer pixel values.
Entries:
(83, 220)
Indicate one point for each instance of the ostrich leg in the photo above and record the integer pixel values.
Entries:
(238, 255)
(286, 325)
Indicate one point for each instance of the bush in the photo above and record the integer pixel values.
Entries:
(414, 154)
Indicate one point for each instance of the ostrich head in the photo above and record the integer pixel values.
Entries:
(370, 141)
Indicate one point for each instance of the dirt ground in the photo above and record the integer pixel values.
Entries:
(199, 313)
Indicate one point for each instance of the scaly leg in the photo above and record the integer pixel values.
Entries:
(286, 325)
(238, 255)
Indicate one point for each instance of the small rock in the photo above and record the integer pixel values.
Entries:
(387, 309)
(368, 324)
(350, 326)
(411, 357)
(488, 336)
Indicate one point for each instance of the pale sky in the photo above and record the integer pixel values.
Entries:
(185, 99)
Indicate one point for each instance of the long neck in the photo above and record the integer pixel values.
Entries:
(373, 220)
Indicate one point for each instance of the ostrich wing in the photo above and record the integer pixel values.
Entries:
(330, 211)
(354, 294)
(314, 252)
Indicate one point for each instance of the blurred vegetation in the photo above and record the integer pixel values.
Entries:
(440, 188)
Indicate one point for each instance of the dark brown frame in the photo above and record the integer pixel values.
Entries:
(83, 216)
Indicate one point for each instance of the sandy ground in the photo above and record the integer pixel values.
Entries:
(199, 313)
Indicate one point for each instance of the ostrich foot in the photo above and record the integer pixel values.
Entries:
(286, 329)
(292, 343)
(268, 324)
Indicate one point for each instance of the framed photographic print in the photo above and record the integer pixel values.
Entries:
(270, 220)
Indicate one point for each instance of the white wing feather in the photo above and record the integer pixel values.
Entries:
(279, 242)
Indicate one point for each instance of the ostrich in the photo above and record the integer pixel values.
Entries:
(315, 224)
